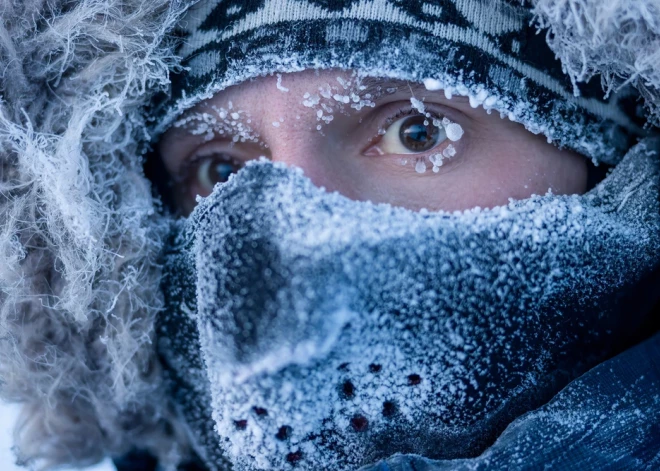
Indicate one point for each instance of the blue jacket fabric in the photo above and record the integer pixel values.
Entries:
(608, 419)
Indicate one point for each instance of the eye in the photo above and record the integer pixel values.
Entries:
(211, 170)
(412, 135)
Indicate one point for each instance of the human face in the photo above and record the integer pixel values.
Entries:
(370, 139)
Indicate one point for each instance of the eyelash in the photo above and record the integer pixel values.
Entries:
(409, 111)
(400, 114)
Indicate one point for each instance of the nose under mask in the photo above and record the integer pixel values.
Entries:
(305, 329)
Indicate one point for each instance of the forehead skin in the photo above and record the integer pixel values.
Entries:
(496, 160)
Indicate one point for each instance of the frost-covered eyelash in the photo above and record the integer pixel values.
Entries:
(403, 112)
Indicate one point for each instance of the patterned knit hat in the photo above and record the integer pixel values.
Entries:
(487, 50)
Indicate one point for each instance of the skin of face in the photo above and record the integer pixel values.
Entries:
(313, 120)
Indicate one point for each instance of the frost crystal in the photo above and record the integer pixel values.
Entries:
(326, 91)
(344, 83)
(418, 105)
(281, 87)
(436, 160)
(454, 131)
(225, 122)
(311, 101)
(342, 98)
(433, 84)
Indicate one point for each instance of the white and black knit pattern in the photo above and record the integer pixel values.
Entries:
(475, 46)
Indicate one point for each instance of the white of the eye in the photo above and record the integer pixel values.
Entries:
(203, 174)
(391, 141)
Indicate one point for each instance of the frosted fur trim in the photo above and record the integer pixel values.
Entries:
(619, 39)
(79, 235)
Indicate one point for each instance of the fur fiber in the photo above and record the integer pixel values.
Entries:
(79, 237)
(80, 232)
(618, 39)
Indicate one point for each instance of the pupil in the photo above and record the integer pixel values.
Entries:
(416, 136)
(220, 172)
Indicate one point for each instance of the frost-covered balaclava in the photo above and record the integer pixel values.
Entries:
(304, 329)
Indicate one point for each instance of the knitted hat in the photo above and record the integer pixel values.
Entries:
(487, 50)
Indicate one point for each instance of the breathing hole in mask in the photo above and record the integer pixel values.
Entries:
(294, 457)
(347, 390)
(359, 423)
(241, 424)
(284, 433)
(414, 379)
(374, 368)
(389, 409)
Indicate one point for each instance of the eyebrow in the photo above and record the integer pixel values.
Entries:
(200, 108)
(375, 86)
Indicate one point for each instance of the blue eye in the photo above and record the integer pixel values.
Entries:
(213, 170)
(220, 172)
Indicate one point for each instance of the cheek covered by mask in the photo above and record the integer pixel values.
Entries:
(305, 329)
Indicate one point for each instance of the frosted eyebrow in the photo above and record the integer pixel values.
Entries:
(377, 88)
(233, 125)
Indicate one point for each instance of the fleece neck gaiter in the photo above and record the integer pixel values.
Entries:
(305, 329)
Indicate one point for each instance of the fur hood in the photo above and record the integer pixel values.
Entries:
(80, 232)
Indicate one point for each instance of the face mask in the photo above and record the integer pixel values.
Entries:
(307, 329)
